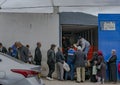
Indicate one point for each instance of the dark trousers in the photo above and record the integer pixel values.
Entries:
(113, 72)
(38, 63)
(51, 69)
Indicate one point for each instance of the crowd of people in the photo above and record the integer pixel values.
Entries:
(21, 52)
(76, 60)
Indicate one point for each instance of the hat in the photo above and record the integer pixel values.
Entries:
(100, 53)
(113, 50)
(79, 48)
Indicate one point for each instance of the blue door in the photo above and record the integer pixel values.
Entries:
(109, 35)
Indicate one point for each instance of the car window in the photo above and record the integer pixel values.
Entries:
(12, 58)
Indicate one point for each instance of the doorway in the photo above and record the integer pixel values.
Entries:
(70, 34)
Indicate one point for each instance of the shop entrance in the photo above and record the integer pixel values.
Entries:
(70, 34)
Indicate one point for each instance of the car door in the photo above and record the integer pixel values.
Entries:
(2, 74)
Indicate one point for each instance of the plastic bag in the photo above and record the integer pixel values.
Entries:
(66, 67)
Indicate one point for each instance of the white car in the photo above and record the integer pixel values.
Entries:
(16, 72)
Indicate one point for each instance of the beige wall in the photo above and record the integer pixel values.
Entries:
(28, 29)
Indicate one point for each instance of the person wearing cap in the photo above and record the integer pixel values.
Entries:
(51, 60)
(80, 59)
(112, 66)
(85, 45)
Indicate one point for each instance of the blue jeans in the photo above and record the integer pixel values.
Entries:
(70, 60)
(86, 50)
(71, 72)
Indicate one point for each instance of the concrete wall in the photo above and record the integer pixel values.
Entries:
(28, 29)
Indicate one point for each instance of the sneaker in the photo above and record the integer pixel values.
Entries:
(48, 78)
(77, 81)
(51, 79)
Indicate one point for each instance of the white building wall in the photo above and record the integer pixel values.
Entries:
(28, 29)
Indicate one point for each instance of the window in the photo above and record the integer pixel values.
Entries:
(107, 25)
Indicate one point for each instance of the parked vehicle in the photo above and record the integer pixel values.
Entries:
(16, 72)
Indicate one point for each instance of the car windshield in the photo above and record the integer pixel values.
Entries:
(12, 58)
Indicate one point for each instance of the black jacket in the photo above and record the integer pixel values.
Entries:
(51, 57)
(80, 59)
(60, 57)
(4, 50)
(38, 55)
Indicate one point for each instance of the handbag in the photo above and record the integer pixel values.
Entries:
(99, 67)
(87, 63)
(66, 67)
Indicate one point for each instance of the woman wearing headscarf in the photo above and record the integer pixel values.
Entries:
(93, 67)
(112, 66)
(101, 68)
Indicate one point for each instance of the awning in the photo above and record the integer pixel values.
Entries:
(26, 6)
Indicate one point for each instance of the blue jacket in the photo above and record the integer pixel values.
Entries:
(71, 56)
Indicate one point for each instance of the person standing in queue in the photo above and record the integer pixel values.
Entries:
(38, 54)
(23, 52)
(80, 59)
(51, 59)
(60, 61)
(113, 66)
(70, 62)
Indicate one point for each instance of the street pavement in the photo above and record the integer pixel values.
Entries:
(68, 82)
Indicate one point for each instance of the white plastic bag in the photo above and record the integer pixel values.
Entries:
(66, 67)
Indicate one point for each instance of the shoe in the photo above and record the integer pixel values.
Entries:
(51, 79)
(48, 78)
(61, 79)
(77, 81)
(82, 81)
(114, 82)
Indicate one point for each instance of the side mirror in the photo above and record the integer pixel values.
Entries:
(0, 60)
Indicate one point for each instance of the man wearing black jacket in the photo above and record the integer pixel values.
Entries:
(2, 48)
(38, 54)
(51, 59)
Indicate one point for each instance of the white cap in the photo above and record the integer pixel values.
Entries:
(113, 50)
(79, 48)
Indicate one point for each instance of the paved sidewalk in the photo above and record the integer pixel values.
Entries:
(68, 82)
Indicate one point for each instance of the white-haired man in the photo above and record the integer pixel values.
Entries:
(80, 59)
(112, 66)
